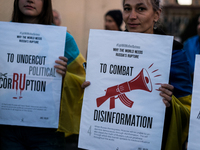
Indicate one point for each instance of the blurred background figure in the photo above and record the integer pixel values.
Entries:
(113, 20)
(56, 18)
(192, 44)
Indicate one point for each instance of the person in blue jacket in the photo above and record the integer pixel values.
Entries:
(192, 47)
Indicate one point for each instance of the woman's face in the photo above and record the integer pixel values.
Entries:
(139, 16)
(110, 23)
(32, 8)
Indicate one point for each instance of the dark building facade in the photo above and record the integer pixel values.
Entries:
(177, 19)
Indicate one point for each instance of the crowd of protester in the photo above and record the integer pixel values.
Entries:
(139, 16)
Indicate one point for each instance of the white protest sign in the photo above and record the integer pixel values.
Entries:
(194, 136)
(122, 108)
(30, 87)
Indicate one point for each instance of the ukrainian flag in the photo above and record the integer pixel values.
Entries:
(72, 93)
(177, 116)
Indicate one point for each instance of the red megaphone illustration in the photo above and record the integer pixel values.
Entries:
(141, 82)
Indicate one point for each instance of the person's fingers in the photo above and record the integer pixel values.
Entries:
(63, 58)
(60, 67)
(167, 104)
(166, 97)
(168, 86)
(61, 72)
(166, 91)
(85, 84)
(61, 62)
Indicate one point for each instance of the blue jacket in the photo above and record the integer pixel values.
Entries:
(192, 47)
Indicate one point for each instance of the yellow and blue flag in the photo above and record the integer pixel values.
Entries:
(72, 93)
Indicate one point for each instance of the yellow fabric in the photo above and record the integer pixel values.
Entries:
(179, 125)
(72, 96)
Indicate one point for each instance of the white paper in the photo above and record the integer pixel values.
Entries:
(30, 88)
(193, 137)
(136, 121)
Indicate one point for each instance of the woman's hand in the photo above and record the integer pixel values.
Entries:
(166, 93)
(61, 68)
(85, 84)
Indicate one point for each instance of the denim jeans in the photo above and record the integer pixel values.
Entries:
(31, 138)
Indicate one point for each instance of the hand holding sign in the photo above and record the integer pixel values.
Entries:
(62, 65)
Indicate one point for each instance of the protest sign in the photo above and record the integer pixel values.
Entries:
(193, 137)
(30, 87)
(122, 108)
